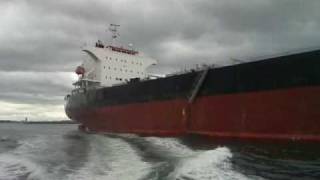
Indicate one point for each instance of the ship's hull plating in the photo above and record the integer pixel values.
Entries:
(284, 115)
(292, 114)
(286, 109)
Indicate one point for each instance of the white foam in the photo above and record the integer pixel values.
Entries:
(38, 144)
(124, 135)
(212, 164)
(112, 159)
(33, 159)
(4, 138)
(12, 167)
(171, 145)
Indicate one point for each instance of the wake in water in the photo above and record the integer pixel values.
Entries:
(174, 160)
(54, 152)
(212, 164)
(111, 158)
(74, 155)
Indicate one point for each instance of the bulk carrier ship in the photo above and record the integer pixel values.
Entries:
(274, 98)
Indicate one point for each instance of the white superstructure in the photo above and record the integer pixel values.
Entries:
(111, 65)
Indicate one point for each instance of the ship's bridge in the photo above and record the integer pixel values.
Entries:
(111, 65)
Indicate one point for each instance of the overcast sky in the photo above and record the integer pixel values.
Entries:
(40, 40)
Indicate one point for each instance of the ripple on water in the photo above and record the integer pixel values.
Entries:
(16, 168)
(112, 159)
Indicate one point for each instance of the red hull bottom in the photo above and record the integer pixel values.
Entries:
(292, 114)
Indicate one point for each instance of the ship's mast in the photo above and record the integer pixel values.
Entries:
(114, 31)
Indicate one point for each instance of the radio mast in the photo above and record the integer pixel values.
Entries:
(114, 31)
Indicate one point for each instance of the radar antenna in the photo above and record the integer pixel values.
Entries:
(114, 31)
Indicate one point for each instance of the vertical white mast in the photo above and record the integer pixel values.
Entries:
(114, 31)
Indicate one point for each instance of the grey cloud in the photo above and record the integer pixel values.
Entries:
(27, 98)
(35, 88)
(40, 40)
(55, 30)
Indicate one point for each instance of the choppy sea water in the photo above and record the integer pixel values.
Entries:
(54, 152)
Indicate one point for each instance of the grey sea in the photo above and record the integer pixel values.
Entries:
(60, 151)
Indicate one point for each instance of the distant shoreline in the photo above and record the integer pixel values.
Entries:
(39, 122)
